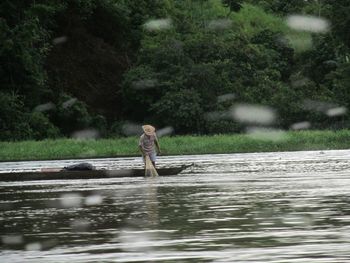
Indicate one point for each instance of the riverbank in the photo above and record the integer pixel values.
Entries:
(177, 145)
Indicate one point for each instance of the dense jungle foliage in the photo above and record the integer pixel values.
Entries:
(70, 65)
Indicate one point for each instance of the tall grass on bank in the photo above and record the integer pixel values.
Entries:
(177, 145)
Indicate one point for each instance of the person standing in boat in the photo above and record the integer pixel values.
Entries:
(149, 144)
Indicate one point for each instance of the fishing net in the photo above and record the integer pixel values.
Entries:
(150, 170)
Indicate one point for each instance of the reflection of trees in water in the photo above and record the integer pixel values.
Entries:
(259, 216)
(241, 215)
(39, 217)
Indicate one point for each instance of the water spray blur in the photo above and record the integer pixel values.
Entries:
(45, 107)
(12, 239)
(95, 199)
(86, 134)
(226, 97)
(266, 134)
(253, 114)
(328, 108)
(303, 26)
(308, 23)
(60, 40)
(158, 24)
(69, 103)
(131, 129)
(144, 84)
(165, 131)
(80, 225)
(338, 111)
(71, 200)
(217, 115)
(301, 125)
(220, 24)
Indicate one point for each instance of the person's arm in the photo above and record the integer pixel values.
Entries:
(157, 145)
(141, 150)
(140, 147)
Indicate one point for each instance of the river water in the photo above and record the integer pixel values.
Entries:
(257, 207)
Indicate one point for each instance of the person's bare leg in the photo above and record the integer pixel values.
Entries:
(144, 161)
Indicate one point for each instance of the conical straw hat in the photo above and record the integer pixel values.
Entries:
(148, 129)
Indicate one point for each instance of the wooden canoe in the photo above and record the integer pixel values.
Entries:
(54, 174)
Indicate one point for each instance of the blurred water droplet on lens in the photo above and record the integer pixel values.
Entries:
(301, 125)
(266, 134)
(71, 200)
(331, 63)
(319, 106)
(300, 42)
(69, 103)
(45, 107)
(297, 220)
(80, 225)
(338, 111)
(86, 134)
(93, 200)
(253, 114)
(158, 24)
(220, 24)
(217, 115)
(300, 82)
(48, 244)
(34, 246)
(59, 40)
(132, 240)
(5, 206)
(165, 131)
(226, 97)
(117, 173)
(308, 23)
(131, 129)
(144, 84)
(12, 239)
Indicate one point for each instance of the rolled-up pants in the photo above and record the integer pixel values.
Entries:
(152, 156)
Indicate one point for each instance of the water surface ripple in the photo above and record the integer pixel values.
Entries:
(260, 207)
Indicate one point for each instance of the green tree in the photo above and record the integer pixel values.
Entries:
(180, 109)
(233, 5)
(13, 121)
(338, 14)
(281, 8)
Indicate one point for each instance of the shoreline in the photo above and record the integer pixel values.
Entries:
(169, 155)
(65, 149)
